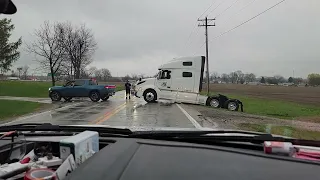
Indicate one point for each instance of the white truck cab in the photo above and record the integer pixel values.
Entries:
(179, 80)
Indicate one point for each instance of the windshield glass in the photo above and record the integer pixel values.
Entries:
(227, 64)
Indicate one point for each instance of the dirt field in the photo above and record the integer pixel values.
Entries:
(303, 95)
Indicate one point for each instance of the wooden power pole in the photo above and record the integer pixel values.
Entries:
(205, 24)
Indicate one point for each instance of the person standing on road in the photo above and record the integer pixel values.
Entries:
(128, 87)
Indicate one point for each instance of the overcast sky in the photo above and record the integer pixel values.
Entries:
(136, 36)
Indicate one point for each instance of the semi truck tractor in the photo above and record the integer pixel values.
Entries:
(180, 80)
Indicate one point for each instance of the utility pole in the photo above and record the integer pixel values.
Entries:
(205, 23)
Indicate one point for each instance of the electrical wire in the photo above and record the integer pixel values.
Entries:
(217, 6)
(244, 7)
(248, 20)
(241, 24)
(193, 30)
(207, 9)
(226, 9)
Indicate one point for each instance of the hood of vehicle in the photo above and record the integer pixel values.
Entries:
(147, 81)
(142, 128)
(56, 87)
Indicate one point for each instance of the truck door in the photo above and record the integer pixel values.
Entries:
(79, 88)
(67, 90)
(185, 87)
(164, 84)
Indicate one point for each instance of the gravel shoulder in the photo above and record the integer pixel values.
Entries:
(224, 119)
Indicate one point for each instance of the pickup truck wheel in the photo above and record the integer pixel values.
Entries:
(150, 96)
(55, 96)
(232, 105)
(214, 102)
(67, 98)
(94, 96)
(105, 98)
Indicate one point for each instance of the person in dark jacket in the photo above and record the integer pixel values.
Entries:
(128, 87)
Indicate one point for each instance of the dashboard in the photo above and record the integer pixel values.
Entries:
(141, 159)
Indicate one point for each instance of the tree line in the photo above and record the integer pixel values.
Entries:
(238, 77)
(65, 50)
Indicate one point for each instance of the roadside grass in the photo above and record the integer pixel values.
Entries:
(276, 108)
(281, 130)
(12, 108)
(32, 88)
(24, 88)
(119, 87)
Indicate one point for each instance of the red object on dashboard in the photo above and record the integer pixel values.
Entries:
(308, 155)
(110, 87)
(25, 160)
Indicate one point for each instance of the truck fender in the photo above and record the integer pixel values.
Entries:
(151, 87)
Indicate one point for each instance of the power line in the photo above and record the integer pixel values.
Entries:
(189, 37)
(193, 30)
(242, 22)
(217, 6)
(248, 20)
(227, 9)
(207, 9)
(244, 7)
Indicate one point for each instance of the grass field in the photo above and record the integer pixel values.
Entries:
(33, 88)
(274, 101)
(10, 108)
(301, 95)
(282, 130)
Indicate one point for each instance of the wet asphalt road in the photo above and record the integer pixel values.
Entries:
(118, 111)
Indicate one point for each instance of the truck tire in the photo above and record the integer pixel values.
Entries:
(214, 102)
(94, 96)
(67, 98)
(232, 105)
(150, 95)
(105, 98)
(55, 96)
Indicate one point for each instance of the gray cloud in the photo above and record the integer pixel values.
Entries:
(138, 36)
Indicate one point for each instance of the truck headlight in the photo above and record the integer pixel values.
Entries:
(49, 89)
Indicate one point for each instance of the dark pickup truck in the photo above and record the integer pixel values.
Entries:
(82, 88)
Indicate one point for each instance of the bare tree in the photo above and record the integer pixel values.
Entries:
(19, 71)
(48, 48)
(106, 74)
(250, 77)
(225, 77)
(79, 44)
(214, 76)
(98, 74)
(91, 71)
(233, 77)
(25, 71)
(279, 79)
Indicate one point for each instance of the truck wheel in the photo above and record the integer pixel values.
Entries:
(105, 98)
(232, 105)
(67, 98)
(214, 102)
(94, 96)
(150, 95)
(55, 96)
